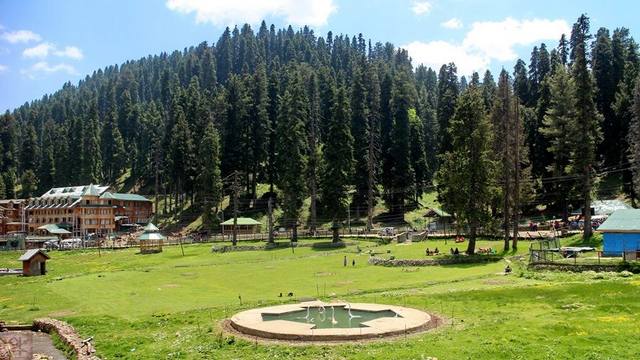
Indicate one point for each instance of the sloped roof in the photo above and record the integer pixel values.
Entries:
(151, 236)
(435, 212)
(242, 221)
(54, 229)
(622, 221)
(73, 191)
(129, 197)
(31, 253)
(151, 228)
(92, 190)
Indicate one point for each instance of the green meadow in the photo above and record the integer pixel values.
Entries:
(170, 305)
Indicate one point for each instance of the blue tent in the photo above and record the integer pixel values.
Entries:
(621, 232)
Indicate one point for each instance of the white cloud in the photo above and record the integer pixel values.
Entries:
(485, 42)
(225, 12)
(436, 53)
(497, 39)
(453, 23)
(3, 68)
(45, 49)
(70, 52)
(21, 36)
(44, 67)
(38, 51)
(421, 7)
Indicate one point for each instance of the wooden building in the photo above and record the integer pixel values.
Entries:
(85, 210)
(34, 262)
(11, 216)
(245, 226)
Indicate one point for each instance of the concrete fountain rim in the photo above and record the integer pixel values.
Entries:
(250, 323)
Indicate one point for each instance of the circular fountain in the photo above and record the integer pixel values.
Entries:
(335, 321)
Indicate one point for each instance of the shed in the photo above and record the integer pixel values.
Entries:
(151, 240)
(245, 226)
(440, 219)
(34, 262)
(621, 233)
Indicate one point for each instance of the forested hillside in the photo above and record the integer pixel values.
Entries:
(341, 120)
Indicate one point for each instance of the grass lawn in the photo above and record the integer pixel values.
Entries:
(169, 306)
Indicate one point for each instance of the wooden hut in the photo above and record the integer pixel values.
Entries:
(34, 262)
(245, 226)
(151, 240)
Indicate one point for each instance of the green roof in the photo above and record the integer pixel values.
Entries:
(435, 212)
(242, 221)
(626, 220)
(54, 229)
(127, 197)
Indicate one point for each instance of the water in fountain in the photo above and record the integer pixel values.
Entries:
(341, 316)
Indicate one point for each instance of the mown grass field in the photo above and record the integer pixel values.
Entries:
(170, 306)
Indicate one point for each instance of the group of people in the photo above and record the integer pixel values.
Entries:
(434, 252)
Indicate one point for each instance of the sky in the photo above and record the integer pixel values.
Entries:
(45, 43)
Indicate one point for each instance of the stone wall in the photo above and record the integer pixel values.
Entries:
(68, 335)
(462, 259)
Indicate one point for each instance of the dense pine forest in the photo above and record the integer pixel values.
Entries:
(345, 122)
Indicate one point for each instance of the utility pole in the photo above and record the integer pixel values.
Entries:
(270, 207)
(235, 208)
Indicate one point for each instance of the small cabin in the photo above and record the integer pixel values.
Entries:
(34, 262)
(245, 226)
(621, 233)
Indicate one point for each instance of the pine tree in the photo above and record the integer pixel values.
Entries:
(360, 130)
(3, 194)
(586, 125)
(209, 175)
(29, 183)
(47, 173)
(488, 90)
(447, 96)
(418, 154)
(502, 118)
(466, 183)
(634, 138)
(402, 174)
(113, 150)
(557, 123)
(290, 150)
(602, 68)
(181, 155)
(521, 82)
(260, 125)
(30, 150)
(92, 159)
(338, 161)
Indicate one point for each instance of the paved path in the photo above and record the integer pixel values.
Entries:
(39, 343)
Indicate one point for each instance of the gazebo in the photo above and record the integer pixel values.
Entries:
(245, 226)
(151, 240)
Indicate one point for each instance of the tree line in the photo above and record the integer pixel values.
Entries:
(341, 121)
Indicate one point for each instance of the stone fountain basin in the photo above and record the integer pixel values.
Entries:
(250, 322)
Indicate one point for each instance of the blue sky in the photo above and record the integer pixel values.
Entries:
(48, 42)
